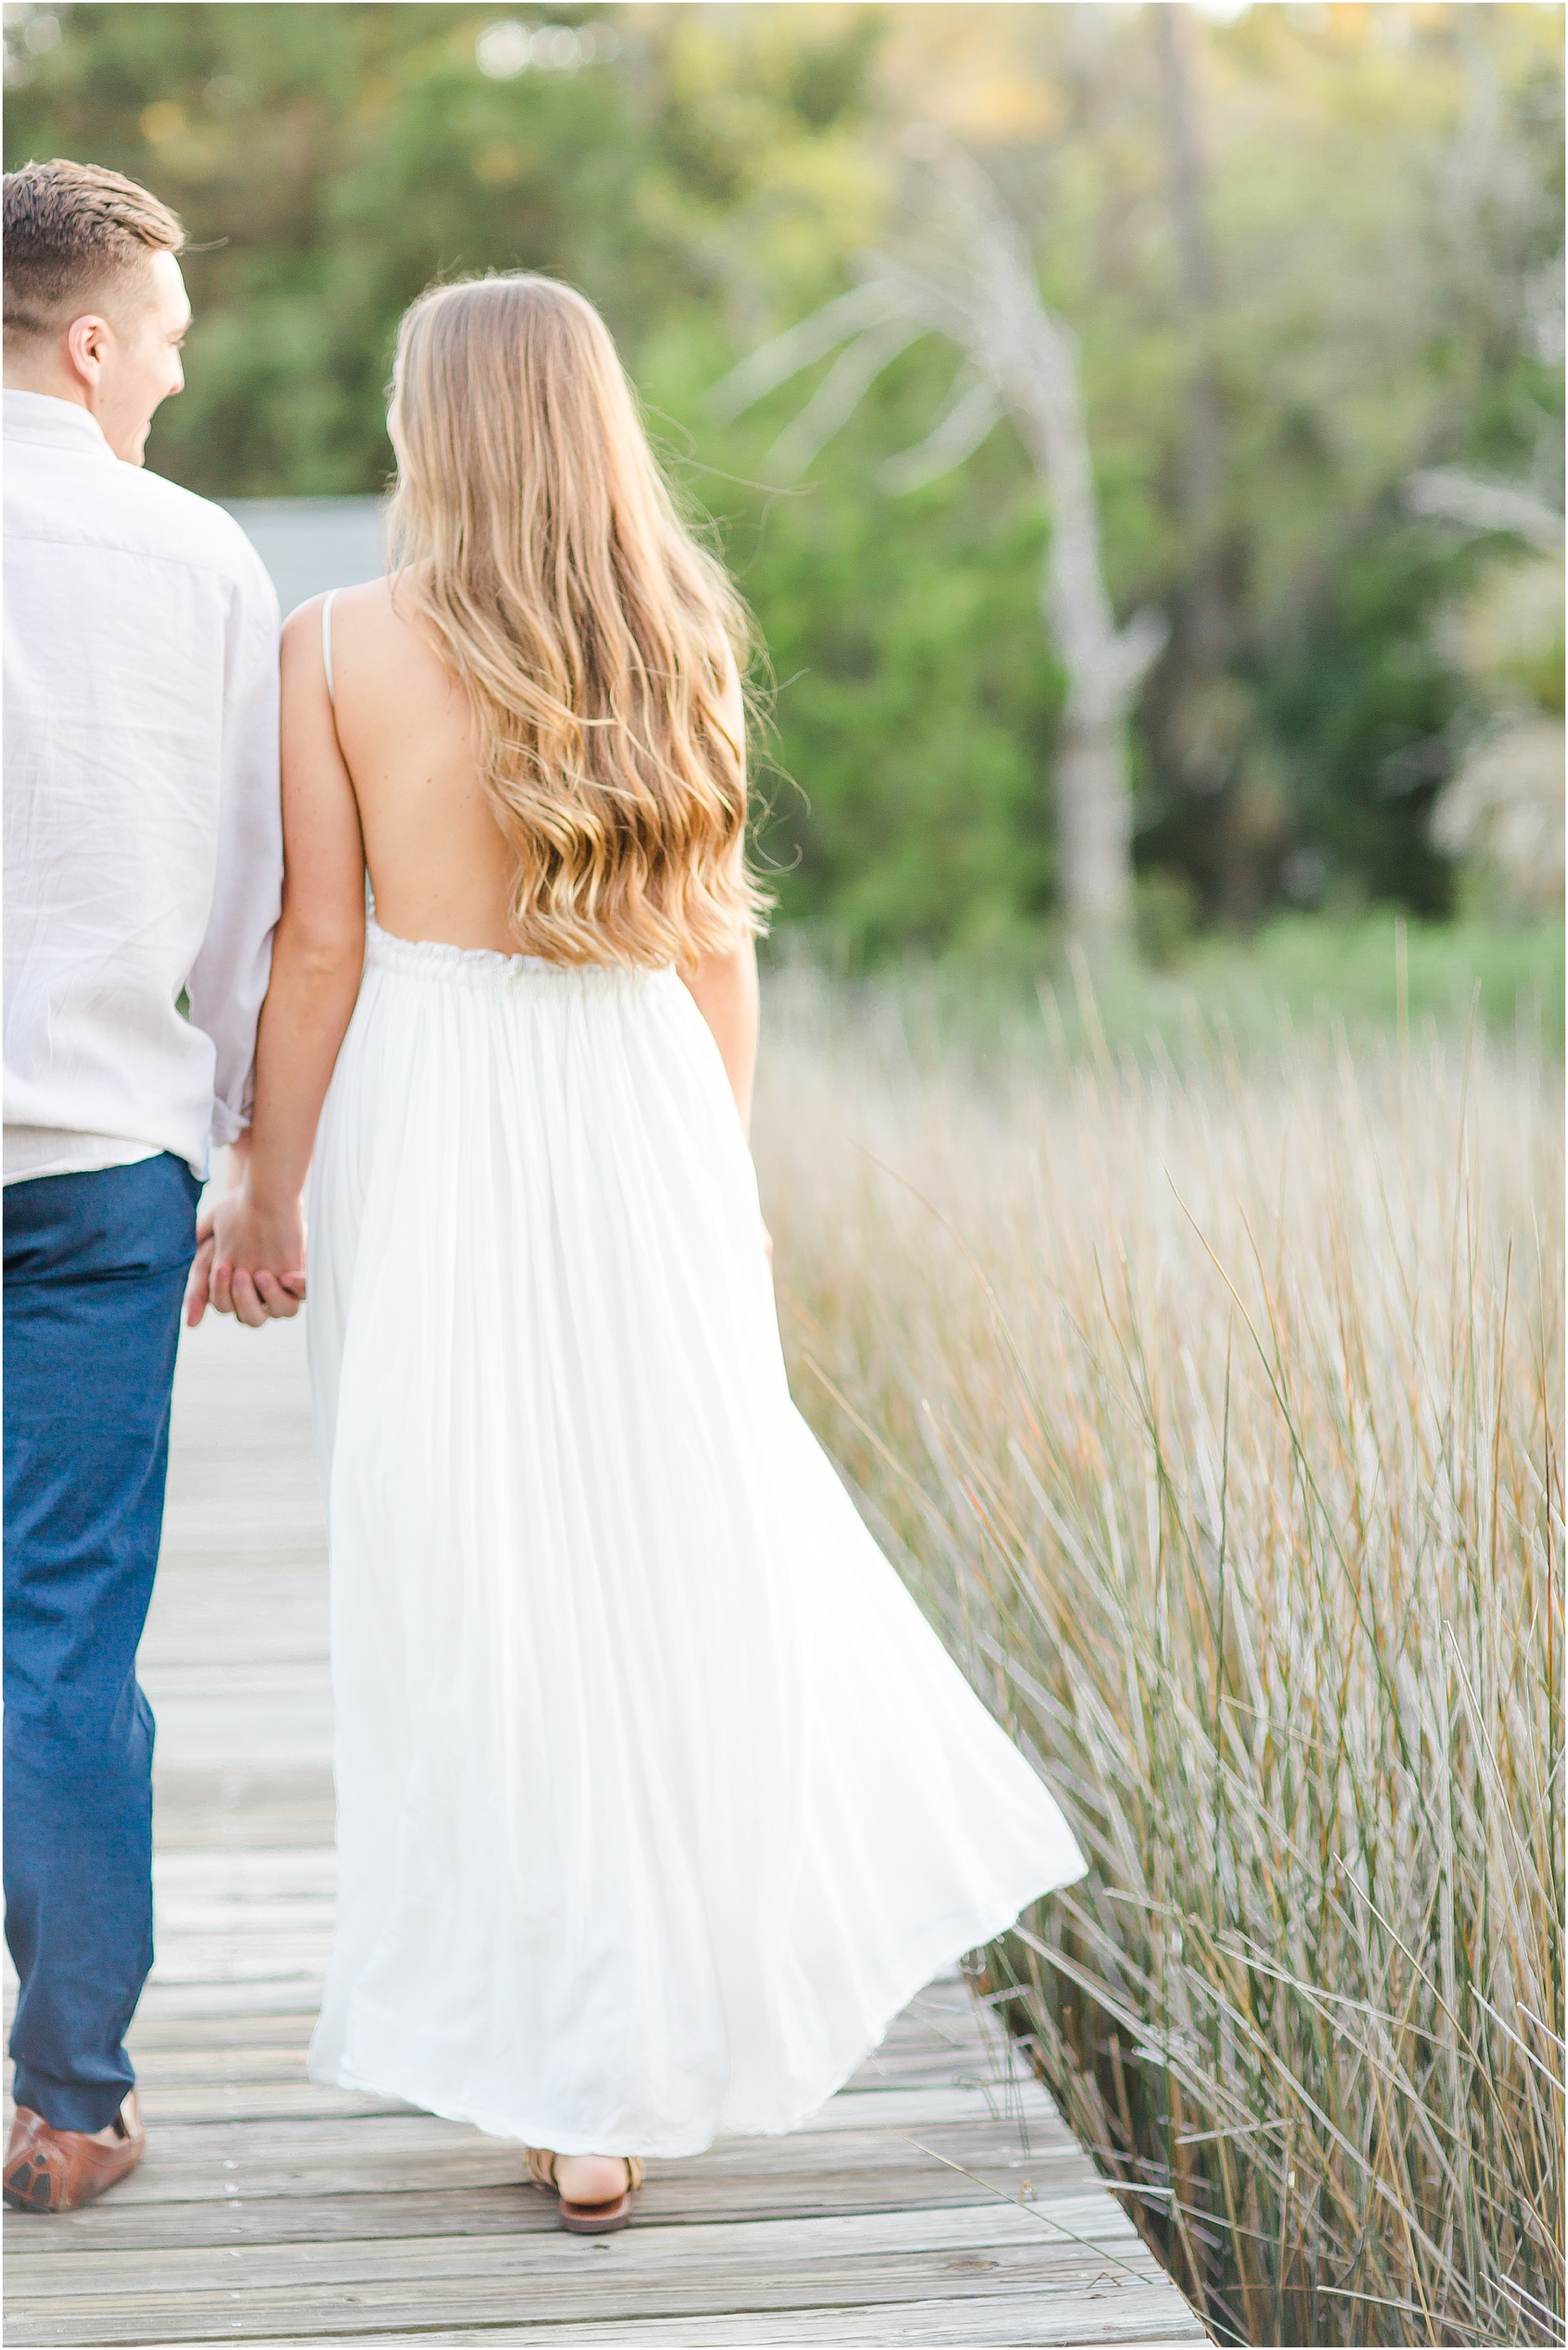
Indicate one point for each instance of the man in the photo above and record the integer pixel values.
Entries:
(143, 864)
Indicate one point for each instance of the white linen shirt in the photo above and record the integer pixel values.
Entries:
(143, 828)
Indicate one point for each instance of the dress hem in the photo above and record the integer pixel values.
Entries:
(941, 1956)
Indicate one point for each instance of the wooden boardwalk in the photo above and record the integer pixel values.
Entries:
(937, 2199)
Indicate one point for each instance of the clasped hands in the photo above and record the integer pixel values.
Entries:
(250, 1252)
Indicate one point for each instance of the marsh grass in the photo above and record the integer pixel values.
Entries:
(1213, 1411)
(1371, 973)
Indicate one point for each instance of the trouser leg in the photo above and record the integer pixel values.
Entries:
(95, 1266)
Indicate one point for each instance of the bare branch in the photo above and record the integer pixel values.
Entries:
(839, 394)
(1104, 674)
(925, 286)
(1138, 646)
(973, 205)
(764, 370)
(972, 410)
(1477, 503)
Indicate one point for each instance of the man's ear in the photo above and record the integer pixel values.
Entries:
(87, 342)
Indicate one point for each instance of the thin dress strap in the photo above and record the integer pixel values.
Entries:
(326, 645)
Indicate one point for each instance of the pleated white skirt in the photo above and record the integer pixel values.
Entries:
(657, 1798)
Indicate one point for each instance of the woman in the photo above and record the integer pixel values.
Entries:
(656, 1796)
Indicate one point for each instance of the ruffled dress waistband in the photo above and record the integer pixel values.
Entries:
(487, 968)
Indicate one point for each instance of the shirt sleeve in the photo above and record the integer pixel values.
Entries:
(229, 977)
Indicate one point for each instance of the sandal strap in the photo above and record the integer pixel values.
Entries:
(541, 2164)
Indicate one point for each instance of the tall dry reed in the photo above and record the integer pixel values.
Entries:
(1214, 1414)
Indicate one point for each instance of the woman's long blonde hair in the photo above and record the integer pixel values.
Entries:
(597, 642)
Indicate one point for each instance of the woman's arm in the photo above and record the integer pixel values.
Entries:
(725, 986)
(724, 989)
(257, 1228)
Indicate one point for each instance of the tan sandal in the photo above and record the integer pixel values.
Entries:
(586, 2219)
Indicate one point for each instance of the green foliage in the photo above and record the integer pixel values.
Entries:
(916, 699)
(1164, 909)
(1189, 1000)
(1368, 975)
(1362, 706)
(329, 161)
(1380, 217)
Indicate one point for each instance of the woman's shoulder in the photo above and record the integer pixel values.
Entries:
(369, 597)
(367, 650)
(373, 623)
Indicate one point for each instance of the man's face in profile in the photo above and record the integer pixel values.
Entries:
(134, 354)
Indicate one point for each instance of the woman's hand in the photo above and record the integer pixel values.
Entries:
(250, 1259)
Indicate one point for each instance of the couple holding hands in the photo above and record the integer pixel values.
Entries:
(657, 1798)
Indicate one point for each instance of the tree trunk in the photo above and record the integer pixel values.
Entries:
(1207, 622)
(1093, 824)
(1093, 788)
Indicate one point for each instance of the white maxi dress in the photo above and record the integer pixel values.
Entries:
(658, 1797)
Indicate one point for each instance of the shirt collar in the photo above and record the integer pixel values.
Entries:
(38, 417)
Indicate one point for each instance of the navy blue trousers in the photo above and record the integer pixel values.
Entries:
(95, 1266)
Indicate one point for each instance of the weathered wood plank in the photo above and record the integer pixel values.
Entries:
(906, 2054)
(1075, 2320)
(1087, 2306)
(853, 2113)
(184, 2080)
(599, 2291)
(216, 2098)
(1139, 2314)
(301, 1997)
(548, 2255)
(178, 2040)
(904, 2180)
(272, 2084)
(235, 1958)
(172, 2034)
(171, 2038)
(383, 2153)
(783, 2265)
(228, 1804)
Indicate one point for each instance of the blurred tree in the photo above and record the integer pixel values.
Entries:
(1502, 812)
(962, 269)
(329, 161)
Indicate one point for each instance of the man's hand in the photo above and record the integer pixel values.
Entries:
(250, 1259)
(200, 1278)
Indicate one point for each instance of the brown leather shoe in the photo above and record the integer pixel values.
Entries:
(55, 2170)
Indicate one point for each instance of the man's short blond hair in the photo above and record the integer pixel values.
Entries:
(75, 233)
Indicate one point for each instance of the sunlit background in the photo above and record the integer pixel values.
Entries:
(1310, 258)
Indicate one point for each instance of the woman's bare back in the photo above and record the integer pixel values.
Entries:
(439, 865)
(388, 766)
